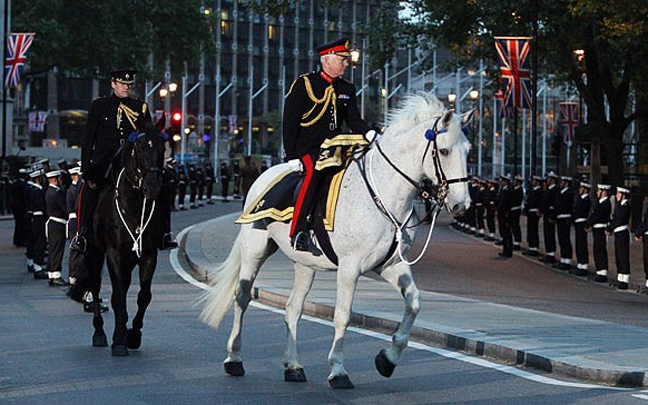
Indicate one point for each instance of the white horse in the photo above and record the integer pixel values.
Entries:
(422, 140)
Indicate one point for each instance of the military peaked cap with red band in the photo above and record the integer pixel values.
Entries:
(338, 47)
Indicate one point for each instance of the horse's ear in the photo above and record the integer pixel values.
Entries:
(467, 117)
(161, 124)
(445, 121)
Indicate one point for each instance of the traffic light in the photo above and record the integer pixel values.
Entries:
(556, 145)
(176, 123)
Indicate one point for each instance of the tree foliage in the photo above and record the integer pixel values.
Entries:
(91, 38)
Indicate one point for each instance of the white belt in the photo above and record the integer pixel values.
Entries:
(516, 208)
(579, 220)
(599, 226)
(533, 210)
(72, 215)
(35, 213)
(563, 216)
(621, 228)
(59, 220)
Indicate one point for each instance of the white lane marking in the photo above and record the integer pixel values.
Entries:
(175, 263)
(640, 396)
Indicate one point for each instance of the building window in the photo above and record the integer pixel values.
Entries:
(272, 32)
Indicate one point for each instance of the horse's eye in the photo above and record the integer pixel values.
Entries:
(444, 152)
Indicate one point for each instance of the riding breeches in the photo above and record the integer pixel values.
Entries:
(306, 196)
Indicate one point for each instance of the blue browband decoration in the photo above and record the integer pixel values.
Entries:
(431, 134)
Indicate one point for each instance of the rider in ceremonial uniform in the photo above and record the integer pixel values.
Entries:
(580, 212)
(55, 226)
(597, 222)
(619, 227)
(316, 106)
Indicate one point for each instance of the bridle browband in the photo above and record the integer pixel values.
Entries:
(443, 183)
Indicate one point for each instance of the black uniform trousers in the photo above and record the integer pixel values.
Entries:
(182, 192)
(479, 216)
(506, 235)
(224, 188)
(533, 235)
(21, 226)
(580, 238)
(549, 232)
(38, 240)
(490, 219)
(29, 243)
(193, 190)
(600, 249)
(645, 254)
(564, 238)
(209, 189)
(622, 251)
(56, 244)
(515, 226)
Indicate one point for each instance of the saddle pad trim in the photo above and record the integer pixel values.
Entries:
(248, 217)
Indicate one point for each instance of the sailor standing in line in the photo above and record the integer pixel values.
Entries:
(503, 216)
(55, 227)
(548, 220)
(491, 208)
(597, 222)
(581, 210)
(563, 213)
(641, 235)
(35, 199)
(619, 227)
(517, 198)
(531, 211)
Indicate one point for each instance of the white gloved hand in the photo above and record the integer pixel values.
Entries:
(372, 135)
(295, 165)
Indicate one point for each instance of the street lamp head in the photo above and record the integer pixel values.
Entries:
(355, 55)
(452, 97)
(164, 92)
(580, 54)
(173, 87)
(383, 92)
(474, 94)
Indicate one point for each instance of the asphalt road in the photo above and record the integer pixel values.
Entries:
(46, 357)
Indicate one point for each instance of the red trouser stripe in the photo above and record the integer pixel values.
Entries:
(307, 161)
(78, 218)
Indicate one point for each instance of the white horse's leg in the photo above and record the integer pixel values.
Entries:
(347, 278)
(255, 249)
(399, 276)
(304, 276)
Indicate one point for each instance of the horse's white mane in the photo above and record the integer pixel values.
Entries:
(414, 109)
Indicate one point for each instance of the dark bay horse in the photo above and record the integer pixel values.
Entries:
(127, 233)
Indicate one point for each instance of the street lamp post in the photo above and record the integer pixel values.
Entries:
(474, 96)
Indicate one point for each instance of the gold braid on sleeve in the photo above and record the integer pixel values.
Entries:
(131, 115)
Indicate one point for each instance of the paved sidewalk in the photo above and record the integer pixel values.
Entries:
(580, 348)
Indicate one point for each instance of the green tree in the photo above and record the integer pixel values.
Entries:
(610, 34)
(91, 38)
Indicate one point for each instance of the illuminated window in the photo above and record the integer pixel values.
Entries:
(272, 32)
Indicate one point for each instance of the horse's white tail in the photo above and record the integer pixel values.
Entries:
(218, 299)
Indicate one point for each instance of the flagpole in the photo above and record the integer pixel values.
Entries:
(5, 29)
(534, 100)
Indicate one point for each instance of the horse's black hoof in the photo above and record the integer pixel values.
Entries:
(341, 382)
(119, 350)
(383, 365)
(234, 368)
(134, 339)
(294, 375)
(99, 341)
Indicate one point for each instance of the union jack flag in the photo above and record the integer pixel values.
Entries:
(17, 47)
(515, 70)
(569, 119)
(503, 110)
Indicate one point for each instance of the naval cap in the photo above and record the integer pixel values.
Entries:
(53, 173)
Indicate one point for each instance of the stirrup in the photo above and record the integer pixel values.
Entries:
(78, 244)
(300, 241)
(168, 242)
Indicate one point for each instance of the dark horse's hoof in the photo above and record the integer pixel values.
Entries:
(119, 350)
(294, 375)
(99, 341)
(383, 365)
(234, 368)
(341, 382)
(134, 339)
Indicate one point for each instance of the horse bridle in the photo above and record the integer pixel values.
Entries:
(137, 182)
(443, 183)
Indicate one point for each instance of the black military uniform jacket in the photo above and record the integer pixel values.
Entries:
(563, 204)
(35, 199)
(582, 208)
(548, 200)
(533, 200)
(504, 201)
(491, 197)
(642, 228)
(110, 121)
(56, 203)
(315, 109)
(600, 215)
(517, 196)
(621, 217)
